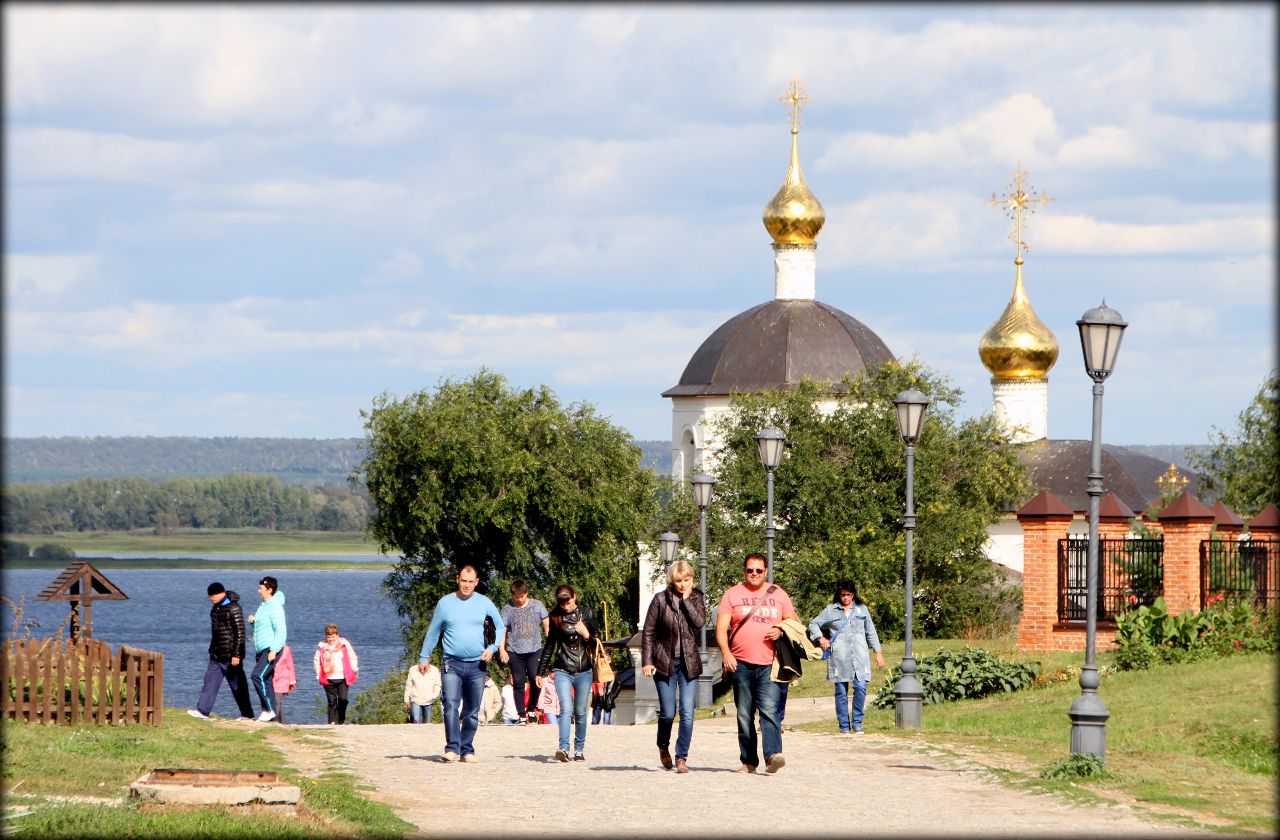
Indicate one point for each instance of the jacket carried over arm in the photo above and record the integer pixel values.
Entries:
(671, 621)
(790, 650)
(228, 631)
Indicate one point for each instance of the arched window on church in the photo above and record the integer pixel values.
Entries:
(686, 455)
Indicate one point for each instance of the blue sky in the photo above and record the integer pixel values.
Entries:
(250, 220)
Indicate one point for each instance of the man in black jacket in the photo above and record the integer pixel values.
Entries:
(226, 654)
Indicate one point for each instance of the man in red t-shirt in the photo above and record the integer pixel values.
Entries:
(745, 629)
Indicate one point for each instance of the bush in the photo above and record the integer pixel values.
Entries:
(50, 551)
(951, 675)
(14, 550)
(1150, 634)
(1078, 766)
(384, 702)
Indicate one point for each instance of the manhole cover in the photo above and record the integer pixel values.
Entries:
(215, 787)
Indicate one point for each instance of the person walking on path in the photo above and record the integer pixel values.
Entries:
(844, 630)
(527, 620)
(226, 654)
(567, 656)
(457, 623)
(284, 680)
(548, 701)
(337, 668)
(745, 630)
(421, 688)
(269, 635)
(669, 653)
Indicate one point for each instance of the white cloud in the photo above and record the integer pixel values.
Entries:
(38, 280)
(64, 154)
(1077, 234)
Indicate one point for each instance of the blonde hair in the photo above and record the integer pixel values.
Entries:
(679, 569)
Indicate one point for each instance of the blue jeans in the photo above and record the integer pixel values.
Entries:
(574, 691)
(667, 688)
(462, 682)
(842, 704)
(420, 712)
(753, 692)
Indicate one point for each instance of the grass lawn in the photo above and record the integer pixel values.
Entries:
(1191, 741)
(208, 541)
(97, 763)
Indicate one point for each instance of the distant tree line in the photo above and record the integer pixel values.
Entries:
(238, 500)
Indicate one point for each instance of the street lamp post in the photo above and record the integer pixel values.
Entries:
(668, 543)
(702, 485)
(908, 694)
(1100, 332)
(769, 443)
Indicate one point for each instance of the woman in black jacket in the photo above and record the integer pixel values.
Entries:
(669, 652)
(571, 637)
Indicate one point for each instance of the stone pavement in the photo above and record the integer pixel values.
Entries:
(863, 785)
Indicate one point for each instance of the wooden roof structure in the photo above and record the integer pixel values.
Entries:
(81, 581)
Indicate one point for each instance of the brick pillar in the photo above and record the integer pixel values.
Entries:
(1225, 522)
(1265, 525)
(1187, 523)
(1044, 521)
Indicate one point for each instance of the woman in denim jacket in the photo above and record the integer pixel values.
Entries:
(844, 630)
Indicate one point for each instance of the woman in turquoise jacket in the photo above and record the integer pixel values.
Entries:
(268, 640)
(844, 630)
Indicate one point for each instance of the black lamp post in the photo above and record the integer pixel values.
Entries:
(702, 486)
(908, 694)
(1100, 332)
(769, 443)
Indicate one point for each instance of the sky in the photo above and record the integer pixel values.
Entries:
(251, 220)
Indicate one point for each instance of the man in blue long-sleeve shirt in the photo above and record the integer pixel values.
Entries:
(459, 616)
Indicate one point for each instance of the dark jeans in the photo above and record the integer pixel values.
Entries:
(336, 692)
(523, 667)
(754, 692)
(668, 686)
(461, 683)
(263, 673)
(213, 677)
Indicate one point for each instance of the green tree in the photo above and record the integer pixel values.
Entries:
(1242, 467)
(839, 499)
(507, 480)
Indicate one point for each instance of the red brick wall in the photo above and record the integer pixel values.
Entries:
(1182, 539)
(1040, 535)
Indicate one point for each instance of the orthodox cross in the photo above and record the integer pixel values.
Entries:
(1170, 482)
(794, 98)
(1015, 203)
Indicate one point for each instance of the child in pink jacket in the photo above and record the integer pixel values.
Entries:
(336, 668)
(284, 680)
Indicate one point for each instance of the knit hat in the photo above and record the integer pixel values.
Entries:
(216, 588)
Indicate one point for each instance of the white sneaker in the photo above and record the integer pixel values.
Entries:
(449, 757)
(266, 716)
(196, 713)
(470, 758)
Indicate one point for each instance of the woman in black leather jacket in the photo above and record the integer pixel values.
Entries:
(669, 652)
(571, 637)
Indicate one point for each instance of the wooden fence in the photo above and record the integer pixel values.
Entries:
(58, 681)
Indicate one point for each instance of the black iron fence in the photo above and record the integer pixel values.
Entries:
(1131, 574)
(1240, 570)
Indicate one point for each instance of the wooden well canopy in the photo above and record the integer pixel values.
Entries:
(81, 583)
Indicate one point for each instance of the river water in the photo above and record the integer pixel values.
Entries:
(168, 611)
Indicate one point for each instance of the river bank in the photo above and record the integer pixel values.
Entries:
(202, 541)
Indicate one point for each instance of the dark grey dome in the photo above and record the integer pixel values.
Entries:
(775, 345)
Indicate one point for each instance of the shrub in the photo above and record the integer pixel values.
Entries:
(951, 675)
(383, 702)
(14, 549)
(1150, 634)
(51, 551)
(1078, 766)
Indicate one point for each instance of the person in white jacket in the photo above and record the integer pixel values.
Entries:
(336, 667)
(421, 689)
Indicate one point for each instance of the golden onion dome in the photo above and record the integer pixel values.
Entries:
(794, 215)
(1018, 345)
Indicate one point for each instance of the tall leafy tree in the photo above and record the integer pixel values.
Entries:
(508, 480)
(1243, 467)
(839, 500)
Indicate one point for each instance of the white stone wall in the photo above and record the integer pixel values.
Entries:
(795, 270)
(1022, 407)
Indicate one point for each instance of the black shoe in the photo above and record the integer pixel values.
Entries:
(579, 757)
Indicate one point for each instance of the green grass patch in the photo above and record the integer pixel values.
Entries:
(208, 541)
(43, 763)
(1197, 737)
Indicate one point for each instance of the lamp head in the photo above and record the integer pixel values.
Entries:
(911, 405)
(770, 442)
(702, 485)
(1101, 329)
(667, 545)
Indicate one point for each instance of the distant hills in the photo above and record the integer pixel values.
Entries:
(308, 461)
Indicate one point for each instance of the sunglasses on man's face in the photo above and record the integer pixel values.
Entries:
(755, 571)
